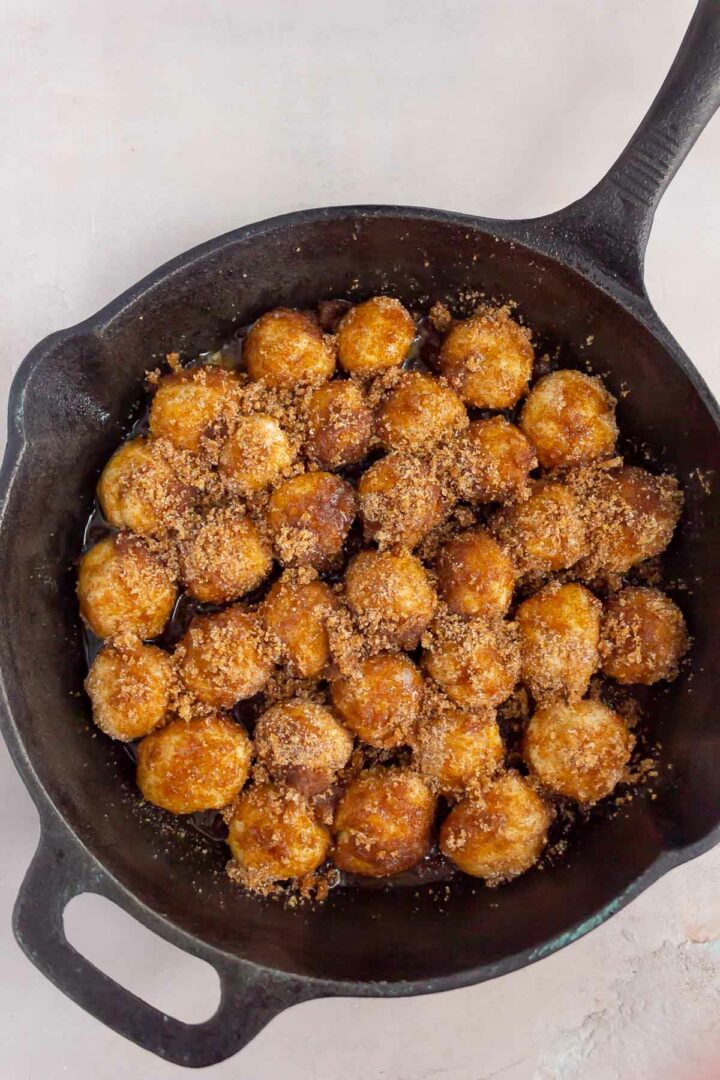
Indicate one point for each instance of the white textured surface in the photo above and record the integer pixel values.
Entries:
(134, 130)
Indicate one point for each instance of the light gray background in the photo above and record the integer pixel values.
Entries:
(134, 130)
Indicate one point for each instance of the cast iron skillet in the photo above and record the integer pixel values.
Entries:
(577, 276)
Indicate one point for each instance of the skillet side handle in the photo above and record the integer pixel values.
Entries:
(614, 219)
(250, 996)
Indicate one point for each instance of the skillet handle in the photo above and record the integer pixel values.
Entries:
(250, 996)
(614, 219)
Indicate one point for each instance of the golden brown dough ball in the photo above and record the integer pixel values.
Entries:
(296, 611)
(559, 631)
(631, 516)
(222, 658)
(302, 745)
(644, 636)
(129, 685)
(273, 836)
(255, 455)
(456, 750)
(492, 461)
(419, 413)
(225, 558)
(287, 347)
(570, 419)
(123, 588)
(477, 664)
(139, 489)
(391, 594)
(544, 532)
(498, 833)
(193, 406)
(340, 425)
(578, 750)
(488, 359)
(374, 336)
(309, 518)
(400, 501)
(380, 701)
(475, 576)
(191, 765)
(383, 822)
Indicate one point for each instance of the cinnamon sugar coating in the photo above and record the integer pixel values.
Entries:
(569, 418)
(475, 575)
(226, 557)
(418, 413)
(578, 750)
(191, 765)
(383, 821)
(274, 836)
(559, 628)
(223, 658)
(380, 700)
(401, 500)
(309, 517)
(374, 336)
(340, 426)
(302, 745)
(193, 407)
(498, 833)
(644, 636)
(286, 347)
(321, 526)
(488, 359)
(124, 587)
(130, 685)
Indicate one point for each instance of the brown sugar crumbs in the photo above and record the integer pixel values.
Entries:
(375, 609)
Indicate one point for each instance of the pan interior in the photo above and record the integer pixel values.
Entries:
(76, 403)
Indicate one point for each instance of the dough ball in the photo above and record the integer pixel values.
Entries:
(475, 576)
(309, 518)
(129, 686)
(192, 408)
(419, 413)
(192, 765)
(559, 631)
(383, 822)
(380, 701)
(123, 588)
(225, 558)
(491, 461)
(644, 637)
(340, 425)
(578, 750)
(456, 750)
(375, 335)
(498, 833)
(302, 745)
(296, 612)
(570, 419)
(273, 836)
(255, 455)
(545, 532)
(284, 348)
(222, 659)
(488, 359)
(631, 516)
(139, 489)
(391, 595)
(477, 664)
(400, 501)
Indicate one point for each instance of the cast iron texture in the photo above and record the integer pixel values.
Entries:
(577, 277)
